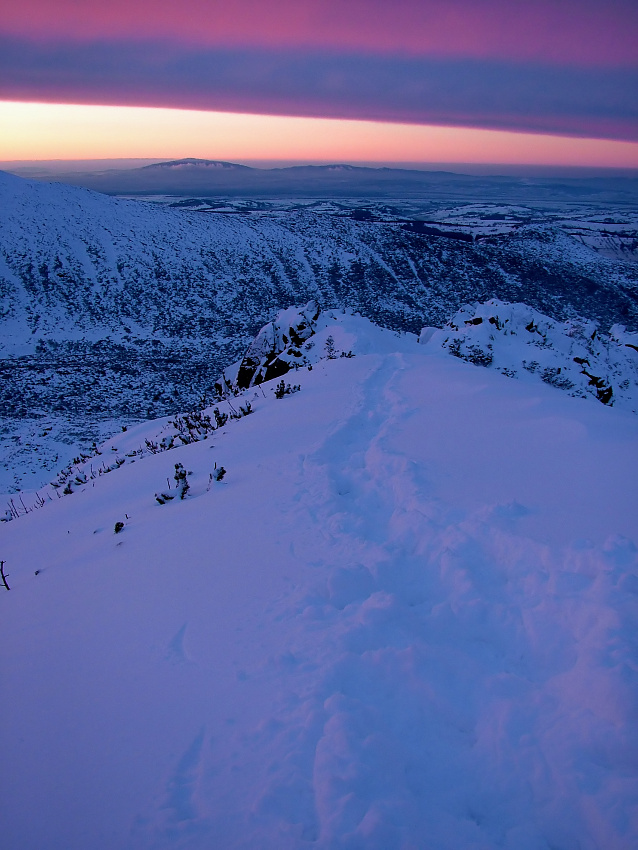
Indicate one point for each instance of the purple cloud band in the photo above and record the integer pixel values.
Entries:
(593, 102)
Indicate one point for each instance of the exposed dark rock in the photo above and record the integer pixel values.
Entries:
(270, 355)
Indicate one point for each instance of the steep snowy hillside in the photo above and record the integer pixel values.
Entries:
(404, 616)
(78, 265)
(115, 311)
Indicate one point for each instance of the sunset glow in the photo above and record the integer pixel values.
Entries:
(55, 131)
(544, 68)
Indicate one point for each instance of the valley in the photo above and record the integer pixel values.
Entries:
(115, 310)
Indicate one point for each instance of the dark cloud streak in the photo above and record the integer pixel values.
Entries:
(590, 102)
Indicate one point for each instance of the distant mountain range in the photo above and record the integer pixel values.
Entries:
(216, 178)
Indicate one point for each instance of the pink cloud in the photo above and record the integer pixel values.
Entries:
(590, 102)
(578, 32)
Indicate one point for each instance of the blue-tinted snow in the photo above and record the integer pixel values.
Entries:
(405, 618)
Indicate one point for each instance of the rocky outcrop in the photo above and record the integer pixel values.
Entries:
(519, 341)
(276, 349)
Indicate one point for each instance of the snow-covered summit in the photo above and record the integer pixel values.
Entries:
(192, 162)
(517, 340)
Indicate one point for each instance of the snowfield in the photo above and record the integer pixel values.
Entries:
(404, 618)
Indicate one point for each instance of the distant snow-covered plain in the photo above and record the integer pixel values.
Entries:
(404, 618)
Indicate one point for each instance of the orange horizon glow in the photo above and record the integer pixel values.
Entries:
(44, 131)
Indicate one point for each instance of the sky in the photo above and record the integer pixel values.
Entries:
(318, 79)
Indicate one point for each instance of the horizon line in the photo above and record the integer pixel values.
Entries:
(274, 162)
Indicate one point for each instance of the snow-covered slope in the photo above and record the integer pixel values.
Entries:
(113, 311)
(575, 357)
(404, 617)
(77, 265)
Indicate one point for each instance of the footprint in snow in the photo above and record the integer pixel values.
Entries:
(176, 651)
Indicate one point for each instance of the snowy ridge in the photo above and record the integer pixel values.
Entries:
(269, 356)
(515, 339)
(404, 618)
(518, 341)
